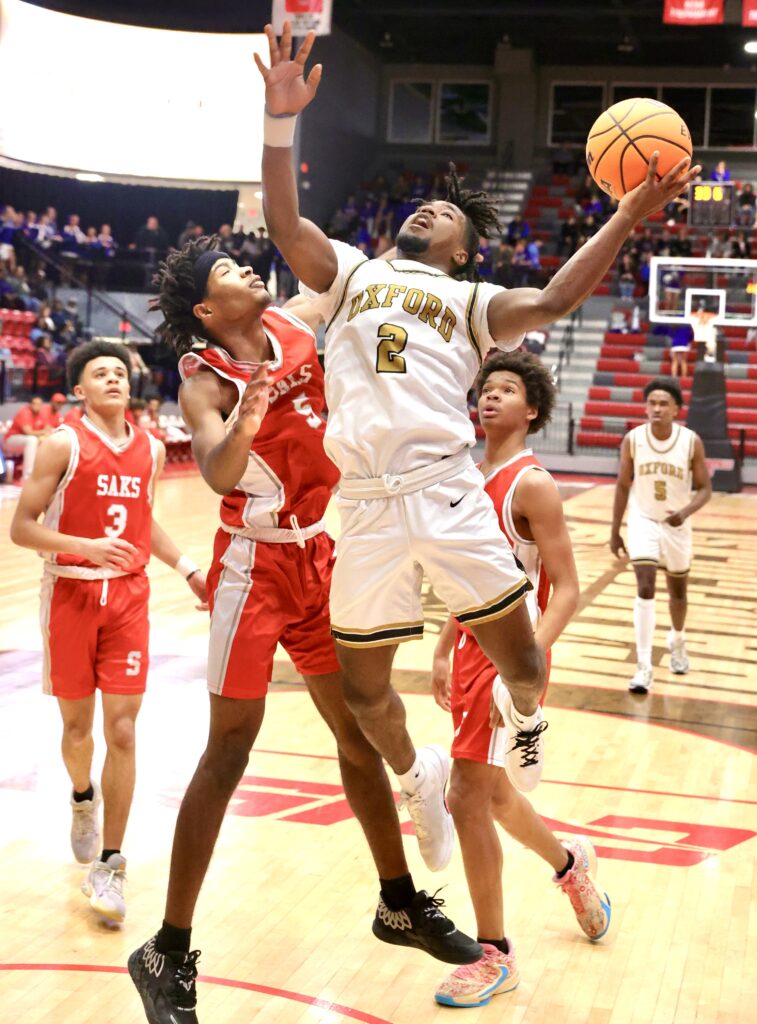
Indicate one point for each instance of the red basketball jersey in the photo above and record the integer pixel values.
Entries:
(106, 491)
(500, 485)
(288, 472)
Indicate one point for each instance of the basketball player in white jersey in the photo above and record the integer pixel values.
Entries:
(404, 341)
(664, 473)
(515, 399)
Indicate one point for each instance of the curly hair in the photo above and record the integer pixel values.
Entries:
(541, 393)
(480, 217)
(90, 350)
(665, 384)
(174, 282)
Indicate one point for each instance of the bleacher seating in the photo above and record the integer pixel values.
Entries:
(627, 362)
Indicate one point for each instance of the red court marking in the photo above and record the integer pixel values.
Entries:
(247, 986)
(563, 782)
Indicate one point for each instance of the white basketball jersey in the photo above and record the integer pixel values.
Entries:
(404, 343)
(661, 471)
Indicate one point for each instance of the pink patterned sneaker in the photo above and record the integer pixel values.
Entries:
(592, 912)
(475, 984)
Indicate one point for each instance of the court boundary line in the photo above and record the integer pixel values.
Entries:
(209, 979)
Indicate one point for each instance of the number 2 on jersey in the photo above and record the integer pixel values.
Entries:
(393, 341)
(117, 527)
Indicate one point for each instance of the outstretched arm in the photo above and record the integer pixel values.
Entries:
(303, 245)
(222, 456)
(521, 309)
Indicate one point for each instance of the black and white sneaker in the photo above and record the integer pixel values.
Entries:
(166, 983)
(423, 926)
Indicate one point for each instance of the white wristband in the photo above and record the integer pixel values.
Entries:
(279, 131)
(186, 567)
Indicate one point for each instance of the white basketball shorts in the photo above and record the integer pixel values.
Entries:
(446, 528)
(654, 543)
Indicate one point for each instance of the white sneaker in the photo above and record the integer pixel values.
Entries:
(104, 886)
(679, 659)
(428, 809)
(642, 681)
(524, 757)
(85, 827)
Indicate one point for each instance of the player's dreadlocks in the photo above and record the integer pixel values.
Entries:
(481, 220)
(174, 282)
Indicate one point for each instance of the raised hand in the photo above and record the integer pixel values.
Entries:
(287, 91)
(254, 404)
(653, 195)
(111, 552)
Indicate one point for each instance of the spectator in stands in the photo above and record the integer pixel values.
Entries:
(140, 371)
(521, 265)
(717, 245)
(7, 237)
(51, 215)
(71, 247)
(189, 232)
(720, 172)
(45, 324)
(517, 229)
(502, 270)
(589, 227)
(45, 354)
(535, 342)
(55, 410)
(626, 277)
(108, 244)
(663, 243)
(137, 407)
(263, 255)
(151, 237)
(286, 282)
(568, 241)
(680, 244)
(149, 418)
(30, 425)
(227, 241)
(746, 202)
(741, 247)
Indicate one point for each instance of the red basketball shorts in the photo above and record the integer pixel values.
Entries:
(472, 678)
(263, 594)
(95, 635)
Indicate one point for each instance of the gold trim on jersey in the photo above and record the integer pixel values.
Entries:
(377, 629)
(644, 561)
(433, 271)
(663, 451)
(469, 321)
(379, 636)
(344, 292)
(684, 572)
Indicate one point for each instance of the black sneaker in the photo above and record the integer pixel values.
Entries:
(166, 982)
(424, 926)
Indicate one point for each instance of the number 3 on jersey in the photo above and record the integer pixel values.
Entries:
(118, 525)
(393, 341)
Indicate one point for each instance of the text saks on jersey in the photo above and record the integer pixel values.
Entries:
(114, 486)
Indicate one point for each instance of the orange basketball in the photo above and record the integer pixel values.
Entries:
(623, 139)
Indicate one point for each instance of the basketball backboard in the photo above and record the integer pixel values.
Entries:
(679, 287)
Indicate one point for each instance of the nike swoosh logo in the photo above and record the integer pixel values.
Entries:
(452, 504)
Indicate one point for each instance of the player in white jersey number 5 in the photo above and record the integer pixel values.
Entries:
(405, 338)
(661, 463)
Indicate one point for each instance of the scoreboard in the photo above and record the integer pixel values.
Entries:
(711, 204)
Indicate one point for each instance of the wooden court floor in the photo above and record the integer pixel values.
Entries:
(665, 785)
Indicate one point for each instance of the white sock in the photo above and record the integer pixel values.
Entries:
(677, 636)
(410, 781)
(643, 620)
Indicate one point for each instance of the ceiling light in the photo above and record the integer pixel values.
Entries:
(87, 176)
(751, 46)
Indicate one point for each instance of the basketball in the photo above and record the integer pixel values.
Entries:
(623, 139)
